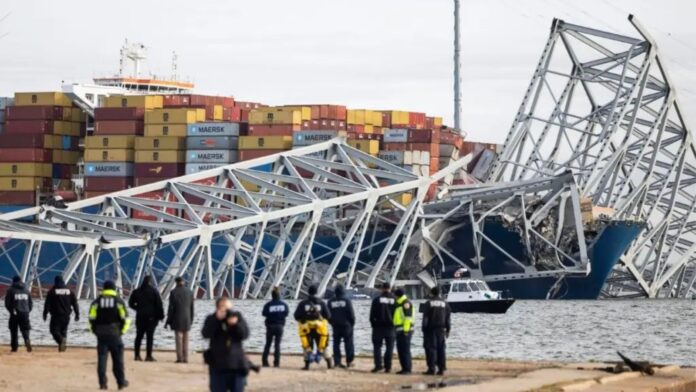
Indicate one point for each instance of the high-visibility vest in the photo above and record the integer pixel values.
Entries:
(403, 315)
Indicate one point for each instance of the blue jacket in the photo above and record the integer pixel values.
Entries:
(275, 312)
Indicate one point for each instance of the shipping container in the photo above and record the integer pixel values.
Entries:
(211, 156)
(102, 142)
(26, 169)
(323, 125)
(36, 113)
(245, 155)
(168, 170)
(110, 155)
(29, 141)
(25, 184)
(66, 157)
(25, 155)
(305, 111)
(43, 127)
(42, 99)
(175, 116)
(5, 102)
(367, 146)
(178, 130)
(395, 135)
(90, 194)
(306, 138)
(265, 142)
(124, 127)
(213, 129)
(105, 184)
(119, 114)
(273, 130)
(164, 156)
(396, 157)
(109, 169)
(21, 198)
(140, 181)
(213, 143)
(192, 168)
(275, 116)
(128, 101)
(160, 143)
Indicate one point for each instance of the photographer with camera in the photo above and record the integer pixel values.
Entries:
(227, 363)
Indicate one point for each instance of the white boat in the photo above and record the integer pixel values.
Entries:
(474, 296)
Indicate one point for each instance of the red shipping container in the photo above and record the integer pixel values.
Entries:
(416, 120)
(323, 125)
(245, 155)
(26, 155)
(434, 164)
(248, 105)
(23, 141)
(106, 184)
(119, 114)
(420, 135)
(273, 130)
(233, 114)
(156, 195)
(22, 198)
(166, 170)
(29, 126)
(386, 119)
(172, 100)
(364, 136)
(451, 138)
(91, 194)
(138, 181)
(119, 128)
(34, 113)
(355, 128)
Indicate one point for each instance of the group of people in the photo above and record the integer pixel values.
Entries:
(391, 317)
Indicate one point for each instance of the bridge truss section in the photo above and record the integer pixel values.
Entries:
(602, 105)
(287, 220)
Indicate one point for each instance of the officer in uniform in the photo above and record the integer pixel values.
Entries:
(342, 322)
(60, 302)
(108, 319)
(275, 311)
(312, 317)
(149, 311)
(403, 318)
(436, 329)
(382, 322)
(18, 302)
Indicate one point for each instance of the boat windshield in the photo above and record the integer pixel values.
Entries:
(481, 286)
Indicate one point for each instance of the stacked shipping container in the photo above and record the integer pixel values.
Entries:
(210, 145)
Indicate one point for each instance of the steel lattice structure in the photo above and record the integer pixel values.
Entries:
(268, 216)
(602, 105)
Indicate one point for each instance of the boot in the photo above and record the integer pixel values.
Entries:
(63, 345)
(329, 363)
(28, 344)
(138, 358)
(306, 365)
(150, 358)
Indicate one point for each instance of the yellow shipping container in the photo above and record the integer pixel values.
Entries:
(275, 116)
(99, 155)
(160, 143)
(175, 116)
(119, 142)
(400, 117)
(367, 146)
(355, 116)
(217, 113)
(76, 115)
(375, 118)
(437, 121)
(265, 142)
(134, 101)
(42, 99)
(164, 156)
(21, 183)
(66, 157)
(26, 169)
(369, 129)
(66, 128)
(305, 111)
(178, 130)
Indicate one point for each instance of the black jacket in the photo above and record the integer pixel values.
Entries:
(226, 351)
(18, 299)
(108, 315)
(147, 303)
(275, 312)
(60, 301)
(312, 308)
(180, 313)
(342, 313)
(382, 311)
(436, 315)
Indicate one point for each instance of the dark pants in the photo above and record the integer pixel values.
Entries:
(383, 335)
(59, 327)
(274, 334)
(434, 343)
(345, 333)
(19, 322)
(110, 344)
(403, 348)
(145, 327)
(226, 381)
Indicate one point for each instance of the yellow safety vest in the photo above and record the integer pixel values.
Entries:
(401, 321)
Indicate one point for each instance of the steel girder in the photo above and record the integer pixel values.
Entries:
(602, 105)
(287, 220)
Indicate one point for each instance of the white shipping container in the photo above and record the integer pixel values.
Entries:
(395, 136)
(109, 169)
(213, 129)
(307, 138)
(211, 156)
(199, 167)
(212, 142)
(396, 157)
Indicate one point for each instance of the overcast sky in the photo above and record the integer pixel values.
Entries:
(380, 54)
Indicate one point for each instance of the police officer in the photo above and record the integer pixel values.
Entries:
(382, 321)
(147, 303)
(436, 329)
(108, 319)
(60, 302)
(342, 322)
(18, 302)
(403, 318)
(312, 317)
(275, 311)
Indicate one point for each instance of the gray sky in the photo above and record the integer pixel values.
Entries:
(380, 54)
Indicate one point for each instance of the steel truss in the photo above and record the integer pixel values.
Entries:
(265, 219)
(602, 105)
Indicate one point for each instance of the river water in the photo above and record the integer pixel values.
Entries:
(662, 331)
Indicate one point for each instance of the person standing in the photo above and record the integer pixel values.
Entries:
(275, 311)
(382, 322)
(149, 311)
(342, 322)
(180, 318)
(18, 302)
(108, 320)
(312, 317)
(227, 363)
(436, 329)
(60, 302)
(403, 318)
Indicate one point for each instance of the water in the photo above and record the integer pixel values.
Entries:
(660, 331)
